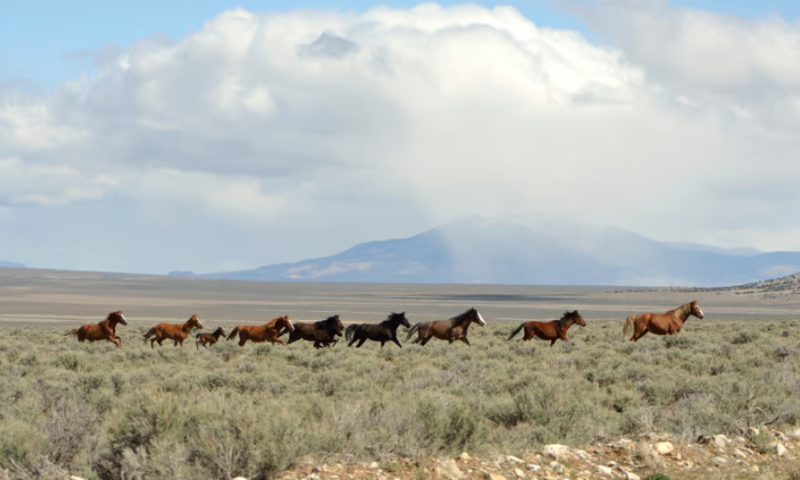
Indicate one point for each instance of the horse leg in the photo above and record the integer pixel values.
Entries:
(152, 341)
(361, 342)
(553, 341)
(466, 340)
(424, 342)
(394, 339)
(382, 343)
(638, 332)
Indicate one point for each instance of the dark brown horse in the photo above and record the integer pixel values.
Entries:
(378, 332)
(669, 323)
(262, 333)
(450, 330)
(206, 339)
(105, 330)
(552, 330)
(176, 332)
(323, 333)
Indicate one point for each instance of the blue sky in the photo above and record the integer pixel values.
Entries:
(48, 41)
(259, 137)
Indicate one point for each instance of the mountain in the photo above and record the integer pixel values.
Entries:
(4, 263)
(533, 251)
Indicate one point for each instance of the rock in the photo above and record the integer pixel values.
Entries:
(603, 470)
(75, 478)
(318, 469)
(313, 476)
(519, 473)
(494, 476)
(533, 467)
(450, 471)
(239, 478)
(512, 458)
(718, 460)
(720, 441)
(663, 448)
(464, 456)
(780, 449)
(374, 465)
(739, 453)
(632, 476)
(556, 451)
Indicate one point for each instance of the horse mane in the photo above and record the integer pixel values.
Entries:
(328, 321)
(685, 309)
(111, 315)
(462, 316)
(394, 315)
(566, 317)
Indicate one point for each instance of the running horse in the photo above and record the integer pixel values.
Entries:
(552, 330)
(378, 332)
(323, 332)
(206, 339)
(262, 333)
(669, 323)
(177, 332)
(105, 330)
(450, 330)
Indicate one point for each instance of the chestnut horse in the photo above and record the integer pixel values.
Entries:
(206, 339)
(450, 330)
(378, 332)
(552, 330)
(176, 332)
(105, 330)
(262, 333)
(323, 333)
(669, 323)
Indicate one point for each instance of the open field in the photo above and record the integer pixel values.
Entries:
(99, 412)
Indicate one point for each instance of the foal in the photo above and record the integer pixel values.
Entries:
(206, 339)
(552, 330)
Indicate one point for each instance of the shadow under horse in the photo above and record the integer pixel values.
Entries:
(105, 330)
(379, 332)
(669, 323)
(451, 330)
(323, 332)
(552, 330)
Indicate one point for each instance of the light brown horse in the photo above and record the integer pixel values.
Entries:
(669, 323)
(176, 332)
(206, 339)
(262, 333)
(552, 330)
(450, 330)
(105, 330)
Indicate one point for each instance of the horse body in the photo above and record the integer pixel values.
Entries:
(668, 323)
(451, 330)
(177, 332)
(206, 339)
(262, 333)
(323, 333)
(552, 330)
(378, 332)
(105, 330)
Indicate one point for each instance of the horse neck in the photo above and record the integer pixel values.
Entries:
(565, 324)
(682, 313)
(392, 324)
(186, 327)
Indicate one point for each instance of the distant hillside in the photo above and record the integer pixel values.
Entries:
(4, 263)
(533, 252)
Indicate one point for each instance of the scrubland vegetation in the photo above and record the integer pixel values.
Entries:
(99, 412)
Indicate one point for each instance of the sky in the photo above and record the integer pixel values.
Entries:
(218, 135)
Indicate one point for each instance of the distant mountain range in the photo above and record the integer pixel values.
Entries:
(4, 263)
(532, 252)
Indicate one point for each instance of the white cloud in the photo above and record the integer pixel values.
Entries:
(342, 127)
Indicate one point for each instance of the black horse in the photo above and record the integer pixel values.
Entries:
(379, 332)
(323, 333)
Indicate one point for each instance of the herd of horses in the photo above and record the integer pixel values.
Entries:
(324, 333)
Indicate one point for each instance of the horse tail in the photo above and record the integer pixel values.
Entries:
(74, 331)
(348, 332)
(411, 331)
(628, 325)
(233, 333)
(515, 332)
(150, 333)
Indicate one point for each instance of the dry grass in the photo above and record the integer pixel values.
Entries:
(100, 412)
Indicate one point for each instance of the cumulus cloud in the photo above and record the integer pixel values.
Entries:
(319, 127)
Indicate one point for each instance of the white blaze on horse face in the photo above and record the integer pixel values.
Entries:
(123, 318)
(291, 326)
(700, 312)
(480, 319)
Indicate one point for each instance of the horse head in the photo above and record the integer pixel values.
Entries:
(284, 322)
(219, 332)
(477, 317)
(338, 326)
(695, 309)
(117, 317)
(194, 322)
(576, 317)
(400, 319)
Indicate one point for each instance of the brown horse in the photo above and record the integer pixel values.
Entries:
(105, 330)
(176, 332)
(206, 339)
(450, 330)
(552, 330)
(378, 332)
(262, 333)
(669, 323)
(323, 333)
